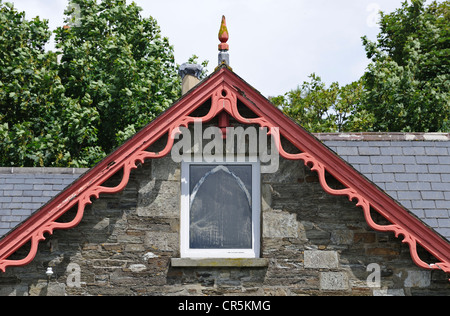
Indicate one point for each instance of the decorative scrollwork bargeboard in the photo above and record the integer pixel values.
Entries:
(224, 89)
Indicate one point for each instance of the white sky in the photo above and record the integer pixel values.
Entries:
(274, 44)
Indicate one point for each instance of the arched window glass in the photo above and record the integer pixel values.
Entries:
(220, 206)
(220, 209)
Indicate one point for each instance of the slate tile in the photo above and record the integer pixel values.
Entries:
(419, 186)
(6, 187)
(418, 213)
(414, 151)
(371, 169)
(21, 199)
(391, 151)
(444, 222)
(334, 143)
(437, 151)
(39, 199)
(445, 177)
(433, 222)
(12, 206)
(23, 187)
(16, 180)
(5, 212)
(404, 159)
(381, 159)
(350, 151)
(408, 195)
(432, 195)
(393, 168)
(443, 204)
(439, 168)
(42, 187)
(423, 144)
(436, 213)
(427, 160)
(406, 177)
(22, 212)
(369, 151)
(439, 186)
(364, 160)
(429, 204)
(427, 177)
(397, 186)
(31, 207)
(442, 144)
(444, 160)
(383, 177)
(5, 199)
(408, 205)
(50, 193)
(416, 168)
(15, 193)
(444, 231)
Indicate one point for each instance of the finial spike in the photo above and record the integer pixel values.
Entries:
(224, 57)
(223, 35)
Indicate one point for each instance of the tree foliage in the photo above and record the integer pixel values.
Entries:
(117, 62)
(405, 88)
(31, 93)
(320, 109)
(407, 84)
(112, 74)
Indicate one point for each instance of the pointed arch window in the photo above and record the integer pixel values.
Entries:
(220, 210)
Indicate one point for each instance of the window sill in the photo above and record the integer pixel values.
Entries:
(219, 262)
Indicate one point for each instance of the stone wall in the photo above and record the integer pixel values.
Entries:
(313, 243)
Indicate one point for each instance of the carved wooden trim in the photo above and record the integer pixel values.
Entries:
(225, 88)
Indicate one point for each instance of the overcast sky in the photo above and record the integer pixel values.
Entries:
(274, 44)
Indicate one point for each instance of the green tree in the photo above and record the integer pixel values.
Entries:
(117, 62)
(407, 84)
(319, 108)
(112, 74)
(30, 93)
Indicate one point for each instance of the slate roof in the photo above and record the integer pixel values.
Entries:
(413, 168)
(25, 190)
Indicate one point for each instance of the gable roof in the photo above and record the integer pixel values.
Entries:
(412, 168)
(224, 88)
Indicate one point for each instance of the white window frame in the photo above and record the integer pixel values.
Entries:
(185, 250)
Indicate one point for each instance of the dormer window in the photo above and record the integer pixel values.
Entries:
(220, 210)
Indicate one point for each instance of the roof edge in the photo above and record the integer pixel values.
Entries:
(41, 170)
(382, 136)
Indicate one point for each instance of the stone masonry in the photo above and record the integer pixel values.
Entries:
(312, 243)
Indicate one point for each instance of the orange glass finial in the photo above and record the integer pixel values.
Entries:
(223, 35)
